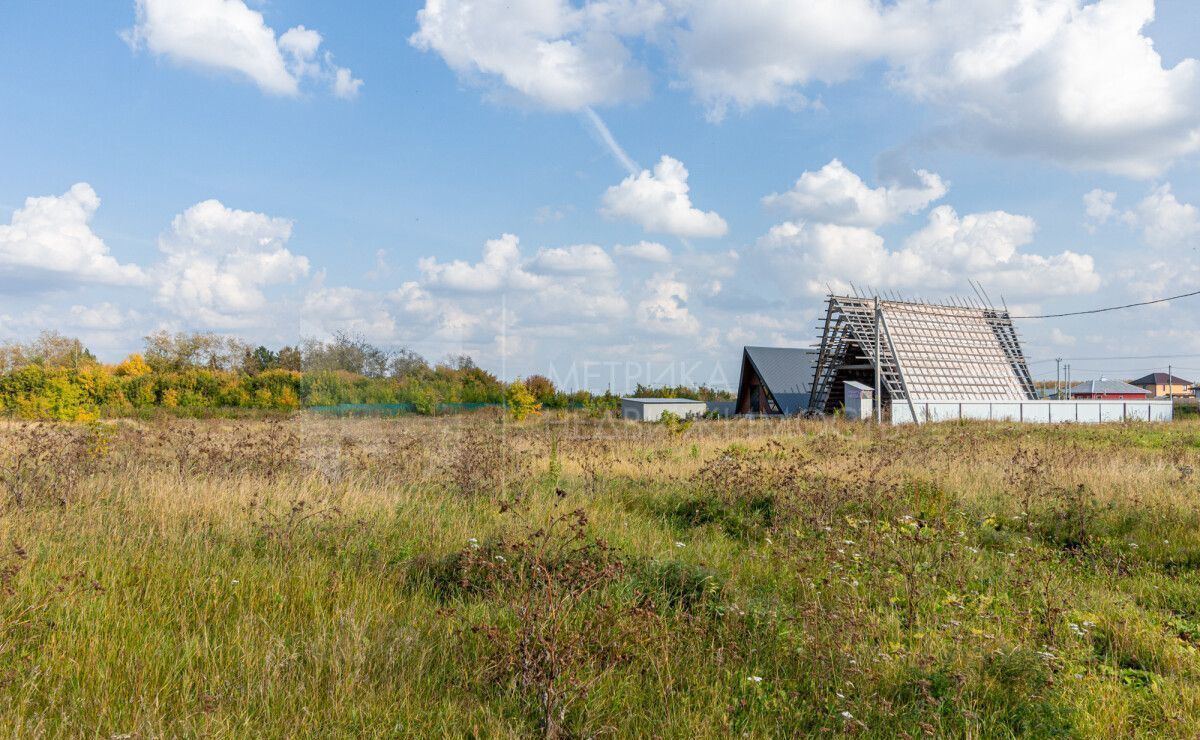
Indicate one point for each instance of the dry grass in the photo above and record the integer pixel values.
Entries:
(565, 577)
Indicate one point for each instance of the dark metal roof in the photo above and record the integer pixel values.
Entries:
(1160, 379)
(1100, 387)
(787, 372)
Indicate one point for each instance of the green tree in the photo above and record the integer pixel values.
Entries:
(258, 360)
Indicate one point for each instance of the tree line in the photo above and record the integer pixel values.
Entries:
(57, 377)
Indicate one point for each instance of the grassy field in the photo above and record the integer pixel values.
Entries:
(566, 577)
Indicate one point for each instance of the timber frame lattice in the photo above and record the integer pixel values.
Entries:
(927, 351)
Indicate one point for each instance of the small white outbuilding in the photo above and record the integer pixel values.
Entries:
(859, 400)
(651, 409)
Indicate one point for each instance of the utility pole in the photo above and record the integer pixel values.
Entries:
(1170, 384)
(1068, 387)
(878, 374)
(1058, 379)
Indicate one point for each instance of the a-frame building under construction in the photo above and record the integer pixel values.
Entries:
(923, 351)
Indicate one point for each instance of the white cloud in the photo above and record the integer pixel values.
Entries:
(229, 36)
(834, 194)
(499, 270)
(987, 247)
(549, 52)
(660, 203)
(301, 45)
(648, 251)
(342, 308)
(103, 316)
(745, 54)
(1164, 221)
(1099, 205)
(1072, 81)
(218, 260)
(50, 241)
(942, 255)
(557, 285)
(345, 84)
(664, 309)
(581, 259)
(1066, 80)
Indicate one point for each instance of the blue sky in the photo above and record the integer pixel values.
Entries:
(433, 176)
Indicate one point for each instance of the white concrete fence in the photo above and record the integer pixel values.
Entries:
(1042, 412)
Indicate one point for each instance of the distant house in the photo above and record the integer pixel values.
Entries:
(1108, 389)
(775, 380)
(1162, 385)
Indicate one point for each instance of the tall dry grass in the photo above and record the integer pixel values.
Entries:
(562, 577)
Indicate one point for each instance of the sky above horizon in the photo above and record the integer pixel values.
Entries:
(604, 191)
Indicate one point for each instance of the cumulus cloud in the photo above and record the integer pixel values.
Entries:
(560, 293)
(1099, 205)
(834, 194)
(987, 247)
(345, 84)
(326, 309)
(50, 243)
(580, 259)
(943, 254)
(227, 35)
(577, 281)
(647, 251)
(218, 261)
(660, 203)
(746, 54)
(548, 52)
(1072, 81)
(664, 309)
(1163, 220)
(499, 270)
(104, 316)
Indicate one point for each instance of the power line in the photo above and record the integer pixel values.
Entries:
(1109, 308)
(1128, 357)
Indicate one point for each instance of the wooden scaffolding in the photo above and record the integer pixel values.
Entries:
(959, 351)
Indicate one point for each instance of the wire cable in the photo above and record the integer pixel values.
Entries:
(1109, 308)
(1102, 359)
